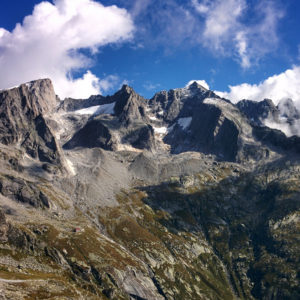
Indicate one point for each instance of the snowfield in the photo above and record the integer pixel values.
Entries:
(97, 110)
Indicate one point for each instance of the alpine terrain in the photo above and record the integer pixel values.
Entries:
(181, 196)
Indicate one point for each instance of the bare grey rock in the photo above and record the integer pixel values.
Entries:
(22, 121)
(130, 107)
(26, 192)
(3, 228)
(257, 112)
(94, 134)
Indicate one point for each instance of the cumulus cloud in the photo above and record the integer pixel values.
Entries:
(277, 87)
(48, 44)
(201, 82)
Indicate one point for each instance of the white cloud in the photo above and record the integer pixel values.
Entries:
(277, 87)
(201, 7)
(109, 82)
(243, 29)
(221, 20)
(227, 33)
(88, 85)
(241, 45)
(139, 6)
(47, 44)
(287, 128)
(201, 82)
(168, 23)
(149, 86)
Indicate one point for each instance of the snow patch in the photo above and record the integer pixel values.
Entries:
(153, 118)
(13, 87)
(88, 111)
(97, 109)
(71, 167)
(214, 101)
(185, 93)
(160, 130)
(29, 84)
(171, 128)
(127, 147)
(184, 123)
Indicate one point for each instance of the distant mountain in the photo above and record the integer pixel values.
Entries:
(181, 196)
(285, 116)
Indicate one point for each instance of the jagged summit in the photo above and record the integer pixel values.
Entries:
(175, 121)
(257, 112)
(127, 89)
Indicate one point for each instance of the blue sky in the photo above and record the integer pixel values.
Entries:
(154, 45)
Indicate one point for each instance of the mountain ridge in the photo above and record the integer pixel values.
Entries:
(181, 196)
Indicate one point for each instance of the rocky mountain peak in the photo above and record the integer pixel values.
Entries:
(129, 106)
(127, 89)
(43, 95)
(38, 96)
(180, 120)
(288, 109)
(268, 102)
(197, 86)
(24, 110)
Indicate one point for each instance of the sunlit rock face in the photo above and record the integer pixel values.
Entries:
(181, 196)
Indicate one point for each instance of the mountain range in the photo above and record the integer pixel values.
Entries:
(182, 196)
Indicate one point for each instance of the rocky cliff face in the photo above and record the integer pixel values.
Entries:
(23, 122)
(257, 112)
(183, 196)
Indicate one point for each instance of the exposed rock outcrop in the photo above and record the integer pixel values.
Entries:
(3, 228)
(94, 134)
(130, 107)
(257, 112)
(22, 119)
(23, 191)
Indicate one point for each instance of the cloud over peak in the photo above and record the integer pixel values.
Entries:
(201, 82)
(49, 41)
(278, 87)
